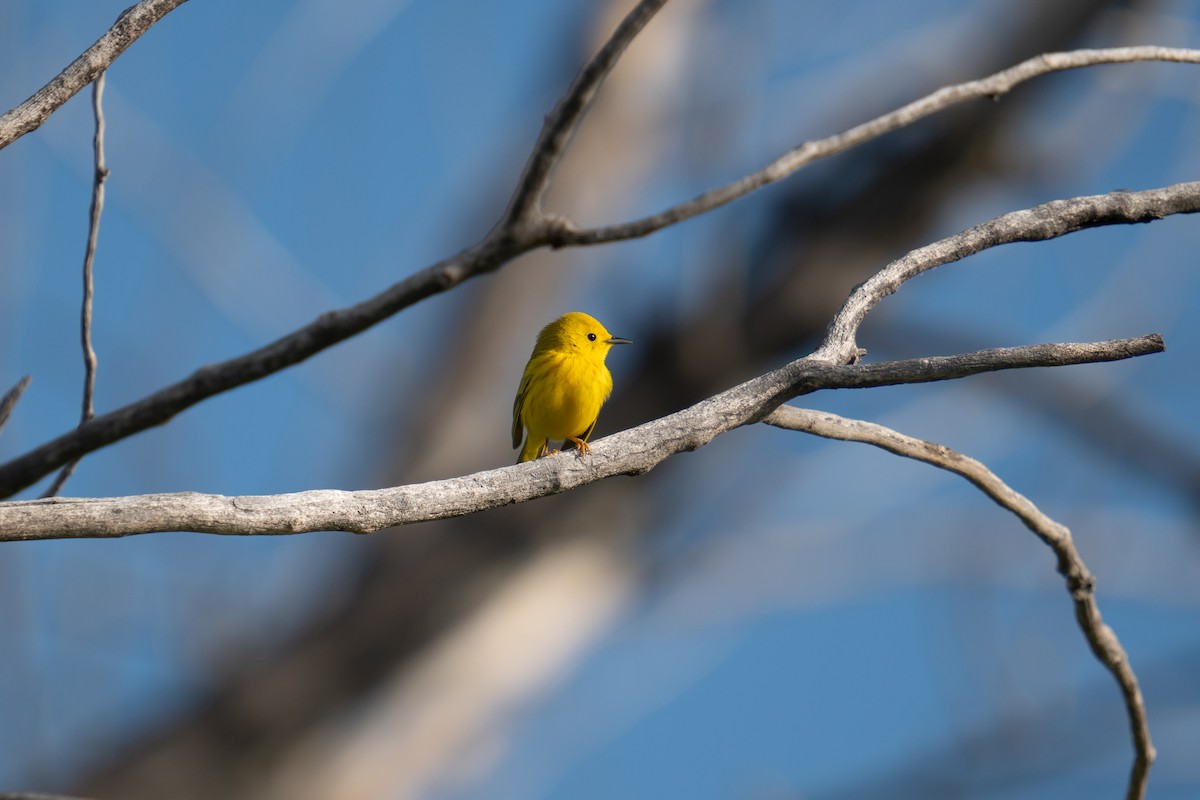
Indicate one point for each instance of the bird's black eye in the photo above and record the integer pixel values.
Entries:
(591, 337)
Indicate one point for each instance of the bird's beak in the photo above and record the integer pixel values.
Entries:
(617, 340)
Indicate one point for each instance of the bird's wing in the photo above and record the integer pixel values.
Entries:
(517, 426)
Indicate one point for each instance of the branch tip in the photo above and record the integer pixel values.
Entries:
(9, 401)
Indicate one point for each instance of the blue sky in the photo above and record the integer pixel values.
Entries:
(822, 614)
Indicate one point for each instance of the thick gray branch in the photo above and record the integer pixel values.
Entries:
(1080, 582)
(630, 452)
(132, 23)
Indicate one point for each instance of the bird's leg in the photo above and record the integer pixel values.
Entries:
(580, 445)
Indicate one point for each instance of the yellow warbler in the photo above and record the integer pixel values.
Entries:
(564, 385)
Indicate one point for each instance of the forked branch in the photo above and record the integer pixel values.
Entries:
(630, 452)
(564, 120)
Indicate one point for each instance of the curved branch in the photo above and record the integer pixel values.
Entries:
(1047, 221)
(133, 22)
(630, 452)
(1080, 582)
(992, 87)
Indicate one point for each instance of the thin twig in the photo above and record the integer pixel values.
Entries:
(630, 452)
(131, 24)
(11, 397)
(1080, 582)
(562, 123)
(785, 165)
(89, 256)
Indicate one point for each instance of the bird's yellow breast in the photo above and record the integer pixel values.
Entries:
(565, 395)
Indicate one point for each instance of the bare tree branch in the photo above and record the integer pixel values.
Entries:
(1047, 221)
(992, 87)
(630, 452)
(514, 236)
(1080, 582)
(133, 22)
(11, 397)
(89, 257)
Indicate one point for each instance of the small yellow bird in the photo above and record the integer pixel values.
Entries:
(564, 385)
